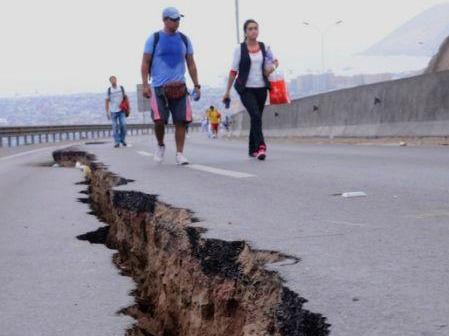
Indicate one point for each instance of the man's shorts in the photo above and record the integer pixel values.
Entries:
(214, 127)
(161, 107)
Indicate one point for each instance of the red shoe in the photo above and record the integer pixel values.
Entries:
(261, 153)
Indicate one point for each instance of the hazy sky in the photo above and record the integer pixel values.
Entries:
(60, 46)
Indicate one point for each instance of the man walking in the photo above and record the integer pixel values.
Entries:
(114, 99)
(164, 62)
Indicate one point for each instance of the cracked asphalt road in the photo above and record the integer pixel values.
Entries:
(374, 266)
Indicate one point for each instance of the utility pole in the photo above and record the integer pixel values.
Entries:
(237, 20)
(323, 33)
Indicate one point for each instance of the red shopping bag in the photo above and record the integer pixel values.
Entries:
(278, 91)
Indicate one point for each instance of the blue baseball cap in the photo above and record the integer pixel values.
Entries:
(172, 13)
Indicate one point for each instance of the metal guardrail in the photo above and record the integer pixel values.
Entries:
(29, 135)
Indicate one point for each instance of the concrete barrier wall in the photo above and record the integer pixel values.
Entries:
(417, 106)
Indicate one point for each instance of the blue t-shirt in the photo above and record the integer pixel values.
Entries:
(169, 59)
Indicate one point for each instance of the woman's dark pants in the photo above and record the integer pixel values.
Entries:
(254, 102)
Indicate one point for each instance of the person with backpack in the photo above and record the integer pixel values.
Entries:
(117, 109)
(253, 63)
(164, 62)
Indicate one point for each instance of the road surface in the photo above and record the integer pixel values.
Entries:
(376, 265)
(52, 284)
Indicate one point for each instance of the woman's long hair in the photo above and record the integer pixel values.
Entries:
(245, 27)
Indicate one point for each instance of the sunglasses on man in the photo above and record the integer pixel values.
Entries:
(173, 20)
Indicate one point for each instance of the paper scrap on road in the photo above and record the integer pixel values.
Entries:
(354, 194)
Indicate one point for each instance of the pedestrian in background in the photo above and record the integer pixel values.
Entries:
(116, 103)
(214, 117)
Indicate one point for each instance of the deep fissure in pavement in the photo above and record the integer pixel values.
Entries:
(187, 284)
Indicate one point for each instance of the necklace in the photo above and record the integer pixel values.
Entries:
(254, 49)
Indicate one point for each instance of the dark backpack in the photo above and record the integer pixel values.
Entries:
(157, 37)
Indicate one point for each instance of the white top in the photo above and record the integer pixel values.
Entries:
(115, 99)
(255, 78)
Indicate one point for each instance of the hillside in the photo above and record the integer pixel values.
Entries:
(87, 108)
(421, 36)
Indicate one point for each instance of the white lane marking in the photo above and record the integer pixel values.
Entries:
(431, 214)
(218, 171)
(23, 154)
(145, 153)
(346, 223)
(207, 169)
(37, 151)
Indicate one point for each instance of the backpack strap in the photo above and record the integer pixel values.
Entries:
(156, 38)
(123, 91)
(109, 93)
(186, 41)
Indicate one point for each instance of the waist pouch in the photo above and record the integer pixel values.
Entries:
(175, 90)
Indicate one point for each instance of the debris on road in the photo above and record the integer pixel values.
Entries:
(354, 194)
(87, 171)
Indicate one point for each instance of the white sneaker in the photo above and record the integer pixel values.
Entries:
(159, 154)
(181, 159)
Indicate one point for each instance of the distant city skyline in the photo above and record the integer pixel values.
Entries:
(61, 47)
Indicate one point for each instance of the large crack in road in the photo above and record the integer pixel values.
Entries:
(187, 284)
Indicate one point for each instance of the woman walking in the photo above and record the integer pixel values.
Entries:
(253, 63)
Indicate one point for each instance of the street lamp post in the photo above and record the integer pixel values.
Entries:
(323, 33)
(237, 20)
